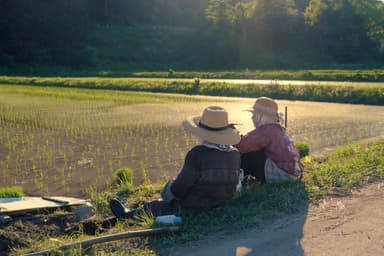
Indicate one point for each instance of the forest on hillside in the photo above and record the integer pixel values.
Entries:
(186, 34)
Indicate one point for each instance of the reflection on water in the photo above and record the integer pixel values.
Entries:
(10, 200)
(321, 125)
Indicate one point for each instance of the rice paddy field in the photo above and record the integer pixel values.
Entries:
(68, 141)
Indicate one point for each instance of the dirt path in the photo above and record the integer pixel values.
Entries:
(352, 225)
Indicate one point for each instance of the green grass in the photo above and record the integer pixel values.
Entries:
(371, 75)
(346, 168)
(14, 191)
(356, 75)
(124, 176)
(303, 148)
(312, 91)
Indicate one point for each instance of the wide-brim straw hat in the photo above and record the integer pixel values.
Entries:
(213, 126)
(265, 105)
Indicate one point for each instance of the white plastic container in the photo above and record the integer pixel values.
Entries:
(239, 186)
(168, 219)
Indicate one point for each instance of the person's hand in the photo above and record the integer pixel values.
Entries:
(167, 194)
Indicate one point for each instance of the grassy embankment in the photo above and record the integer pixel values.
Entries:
(345, 168)
(350, 75)
(372, 75)
(312, 91)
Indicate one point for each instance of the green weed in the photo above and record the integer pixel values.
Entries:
(100, 200)
(303, 148)
(15, 191)
(124, 179)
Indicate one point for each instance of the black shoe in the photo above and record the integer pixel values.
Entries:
(118, 209)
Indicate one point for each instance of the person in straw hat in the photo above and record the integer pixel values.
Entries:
(210, 172)
(267, 152)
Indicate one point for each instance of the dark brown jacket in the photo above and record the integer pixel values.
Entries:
(208, 178)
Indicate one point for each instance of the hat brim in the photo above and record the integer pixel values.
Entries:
(228, 136)
(249, 110)
(252, 110)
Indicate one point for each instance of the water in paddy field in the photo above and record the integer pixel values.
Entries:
(323, 126)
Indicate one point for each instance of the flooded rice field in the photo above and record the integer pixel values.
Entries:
(61, 144)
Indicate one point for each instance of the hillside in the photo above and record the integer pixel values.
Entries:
(185, 35)
(140, 47)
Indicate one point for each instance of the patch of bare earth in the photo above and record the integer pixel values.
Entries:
(352, 225)
(34, 229)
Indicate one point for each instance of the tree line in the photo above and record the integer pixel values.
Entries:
(223, 33)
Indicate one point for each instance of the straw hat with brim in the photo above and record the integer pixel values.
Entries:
(213, 126)
(265, 105)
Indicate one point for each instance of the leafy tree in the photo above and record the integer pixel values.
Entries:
(259, 27)
(272, 22)
(346, 30)
(46, 31)
(220, 33)
(156, 12)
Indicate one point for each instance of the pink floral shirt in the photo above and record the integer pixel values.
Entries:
(276, 144)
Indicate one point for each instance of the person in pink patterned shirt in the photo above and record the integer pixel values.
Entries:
(267, 152)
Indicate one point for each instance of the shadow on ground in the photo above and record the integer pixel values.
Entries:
(276, 231)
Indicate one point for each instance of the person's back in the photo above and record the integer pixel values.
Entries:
(215, 174)
(267, 152)
(275, 143)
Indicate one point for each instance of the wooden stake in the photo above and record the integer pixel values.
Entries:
(109, 238)
(286, 117)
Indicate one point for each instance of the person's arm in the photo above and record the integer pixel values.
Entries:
(166, 193)
(254, 140)
(187, 177)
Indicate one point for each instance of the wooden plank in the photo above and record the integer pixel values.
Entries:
(56, 200)
(24, 204)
